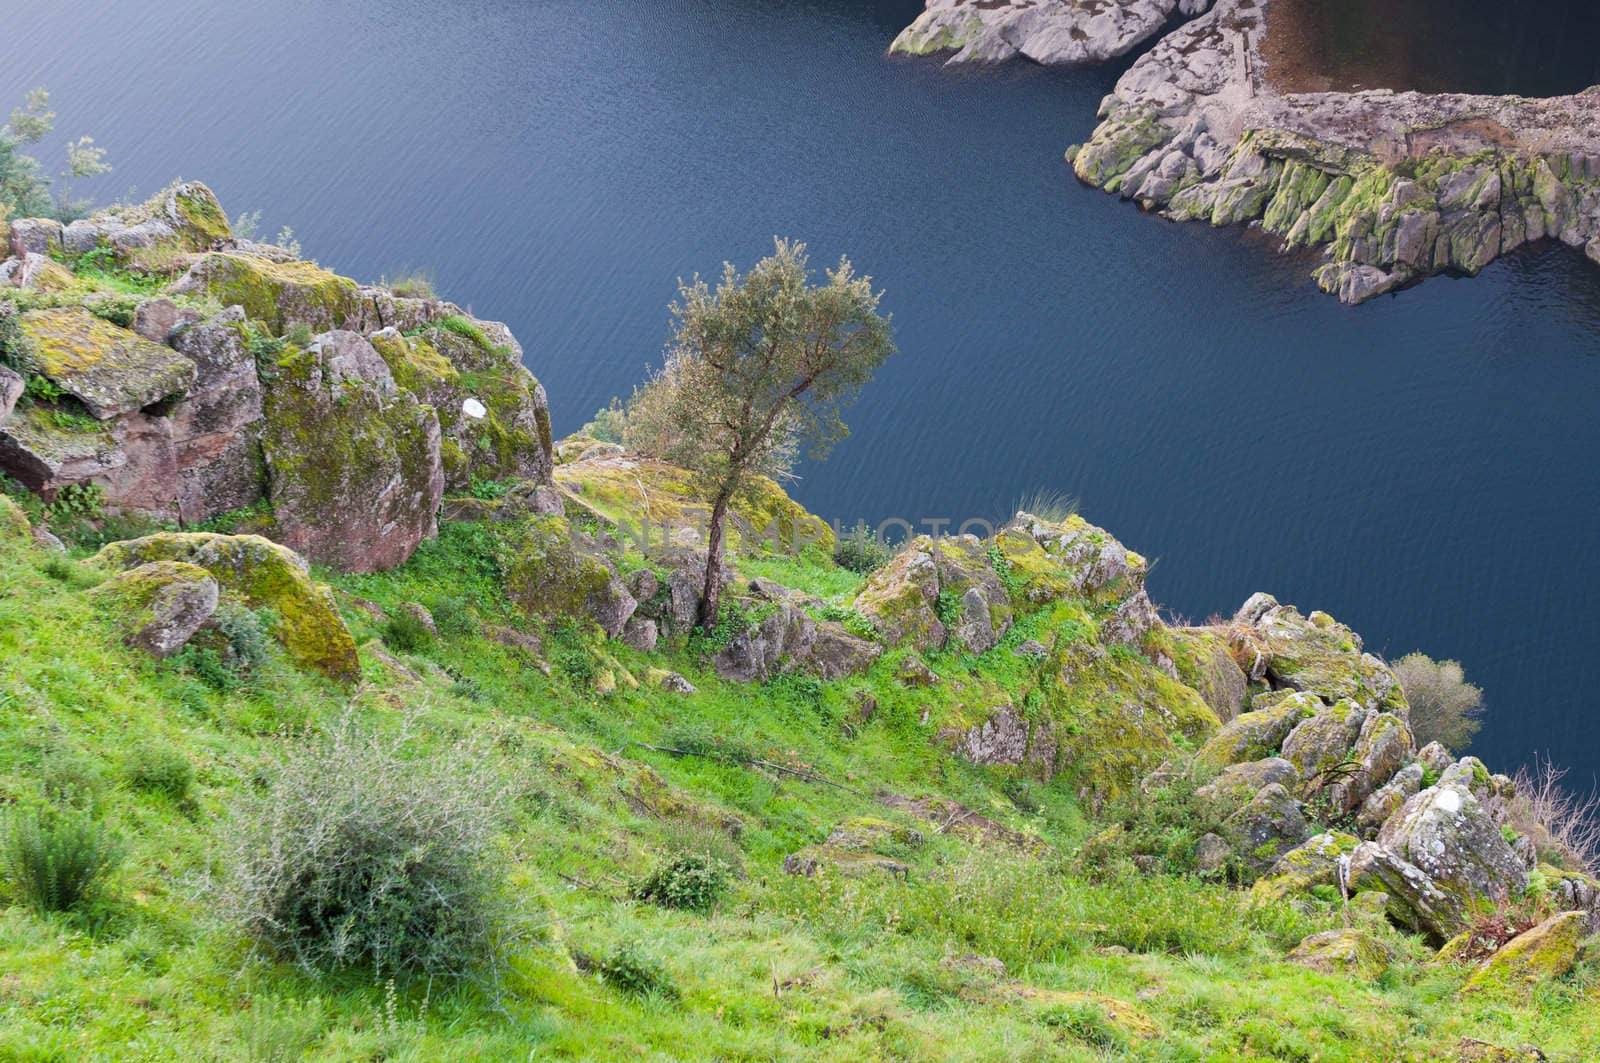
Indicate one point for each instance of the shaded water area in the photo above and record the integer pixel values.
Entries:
(1423, 467)
(1495, 47)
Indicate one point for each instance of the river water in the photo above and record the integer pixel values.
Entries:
(1423, 467)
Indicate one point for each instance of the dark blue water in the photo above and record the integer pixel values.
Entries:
(1423, 467)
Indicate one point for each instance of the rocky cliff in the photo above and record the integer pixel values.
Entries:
(1392, 186)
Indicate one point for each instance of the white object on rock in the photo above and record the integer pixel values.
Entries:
(475, 409)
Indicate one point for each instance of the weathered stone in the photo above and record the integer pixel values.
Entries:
(858, 846)
(260, 574)
(352, 461)
(641, 634)
(109, 369)
(1537, 955)
(1316, 863)
(156, 236)
(1211, 854)
(1413, 899)
(1236, 784)
(161, 604)
(1258, 733)
(35, 273)
(1390, 797)
(1206, 664)
(11, 388)
(670, 681)
(1320, 745)
(1045, 31)
(1001, 739)
(901, 598)
(914, 672)
(1269, 826)
(1350, 951)
(789, 640)
(1446, 833)
(280, 295)
(156, 319)
(1382, 747)
(553, 572)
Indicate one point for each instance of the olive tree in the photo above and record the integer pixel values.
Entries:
(757, 368)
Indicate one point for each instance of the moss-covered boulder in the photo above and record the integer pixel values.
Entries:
(352, 460)
(109, 369)
(1351, 951)
(1258, 733)
(554, 573)
(1321, 656)
(1315, 863)
(160, 604)
(1535, 956)
(1236, 784)
(1263, 831)
(1205, 664)
(1449, 835)
(280, 295)
(492, 411)
(1320, 745)
(1079, 1006)
(1382, 747)
(157, 235)
(788, 640)
(902, 598)
(1390, 797)
(261, 574)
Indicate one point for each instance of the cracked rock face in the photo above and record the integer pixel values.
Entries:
(1046, 31)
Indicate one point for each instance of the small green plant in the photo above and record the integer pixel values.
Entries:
(42, 389)
(947, 607)
(452, 616)
(862, 551)
(488, 490)
(629, 968)
(405, 631)
(76, 504)
(466, 327)
(1088, 1023)
(159, 769)
(299, 335)
(59, 859)
(413, 286)
(693, 881)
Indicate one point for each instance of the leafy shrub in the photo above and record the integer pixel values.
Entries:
(14, 350)
(453, 616)
(1445, 708)
(159, 769)
(354, 855)
(488, 490)
(59, 859)
(609, 424)
(693, 881)
(632, 970)
(405, 631)
(862, 551)
(415, 286)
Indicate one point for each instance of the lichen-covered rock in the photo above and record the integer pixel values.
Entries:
(352, 460)
(1316, 863)
(901, 598)
(1268, 827)
(261, 574)
(1413, 899)
(1384, 744)
(161, 604)
(157, 319)
(1447, 833)
(1236, 784)
(1069, 558)
(1206, 664)
(982, 613)
(492, 412)
(157, 235)
(790, 640)
(1349, 951)
(1258, 733)
(1320, 745)
(11, 388)
(109, 369)
(216, 429)
(1046, 31)
(553, 572)
(1389, 798)
(280, 295)
(1321, 656)
(35, 273)
(1537, 955)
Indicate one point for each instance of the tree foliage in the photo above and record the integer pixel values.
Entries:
(758, 368)
(1445, 708)
(24, 188)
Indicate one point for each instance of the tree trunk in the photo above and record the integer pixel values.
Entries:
(711, 590)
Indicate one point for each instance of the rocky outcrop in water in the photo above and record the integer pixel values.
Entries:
(1394, 186)
(1045, 31)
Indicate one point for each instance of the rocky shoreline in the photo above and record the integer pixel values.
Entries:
(1393, 186)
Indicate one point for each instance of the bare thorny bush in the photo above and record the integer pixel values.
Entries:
(355, 854)
(1560, 821)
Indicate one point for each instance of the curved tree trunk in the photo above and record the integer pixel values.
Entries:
(711, 590)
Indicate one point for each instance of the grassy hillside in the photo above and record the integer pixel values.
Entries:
(986, 929)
